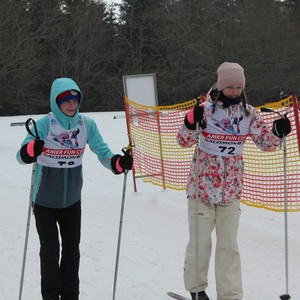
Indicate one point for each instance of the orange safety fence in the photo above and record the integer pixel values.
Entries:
(159, 160)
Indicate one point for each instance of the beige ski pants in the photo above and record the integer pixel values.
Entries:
(225, 218)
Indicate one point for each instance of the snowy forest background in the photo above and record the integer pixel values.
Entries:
(181, 41)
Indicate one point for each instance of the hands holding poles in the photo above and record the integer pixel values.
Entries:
(122, 164)
(32, 160)
(195, 116)
(30, 151)
(126, 162)
(281, 127)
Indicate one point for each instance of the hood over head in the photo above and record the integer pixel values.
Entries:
(60, 86)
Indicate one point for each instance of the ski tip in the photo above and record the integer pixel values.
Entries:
(178, 297)
(170, 294)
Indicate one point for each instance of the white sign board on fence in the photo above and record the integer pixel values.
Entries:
(141, 89)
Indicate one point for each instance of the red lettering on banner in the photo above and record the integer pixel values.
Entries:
(63, 152)
(224, 137)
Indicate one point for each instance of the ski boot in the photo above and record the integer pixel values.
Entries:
(201, 296)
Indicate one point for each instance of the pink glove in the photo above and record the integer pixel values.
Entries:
(195, 115)
(30, 151)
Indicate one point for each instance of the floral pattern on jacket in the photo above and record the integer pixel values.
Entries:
(221, 177)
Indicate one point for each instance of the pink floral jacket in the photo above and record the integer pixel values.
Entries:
(221, 176)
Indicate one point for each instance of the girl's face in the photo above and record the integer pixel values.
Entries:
(69, 108)
(233, 90)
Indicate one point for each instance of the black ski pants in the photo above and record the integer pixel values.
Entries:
(59, 273)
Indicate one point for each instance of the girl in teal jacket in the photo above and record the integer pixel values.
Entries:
(63, 135)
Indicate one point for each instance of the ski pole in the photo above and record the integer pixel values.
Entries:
(285, 296)
(126, 152)
(29, 209)
(197, 238)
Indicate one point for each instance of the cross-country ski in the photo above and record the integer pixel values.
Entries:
(177, 296)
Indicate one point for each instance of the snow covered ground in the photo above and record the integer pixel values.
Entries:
(154, 232)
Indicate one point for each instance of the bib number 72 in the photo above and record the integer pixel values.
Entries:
(228, 150)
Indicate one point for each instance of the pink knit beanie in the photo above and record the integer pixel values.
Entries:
(230, 73)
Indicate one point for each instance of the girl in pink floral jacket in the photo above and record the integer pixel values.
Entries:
(225, 121)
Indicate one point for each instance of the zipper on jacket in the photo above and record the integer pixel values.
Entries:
(65, 187)
(225, 177)
(66, 179)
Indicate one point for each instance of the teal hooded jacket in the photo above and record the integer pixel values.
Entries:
(61, 187)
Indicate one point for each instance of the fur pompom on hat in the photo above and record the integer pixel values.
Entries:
(230, 73)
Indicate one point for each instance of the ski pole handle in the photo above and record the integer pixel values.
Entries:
(127, 157)
(27, 123)
(197, 100)
(126, 150)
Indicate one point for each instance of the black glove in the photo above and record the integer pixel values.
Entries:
(281, 127)
(195, 115)
(126, 161)
(121, 163)
(30, 151)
